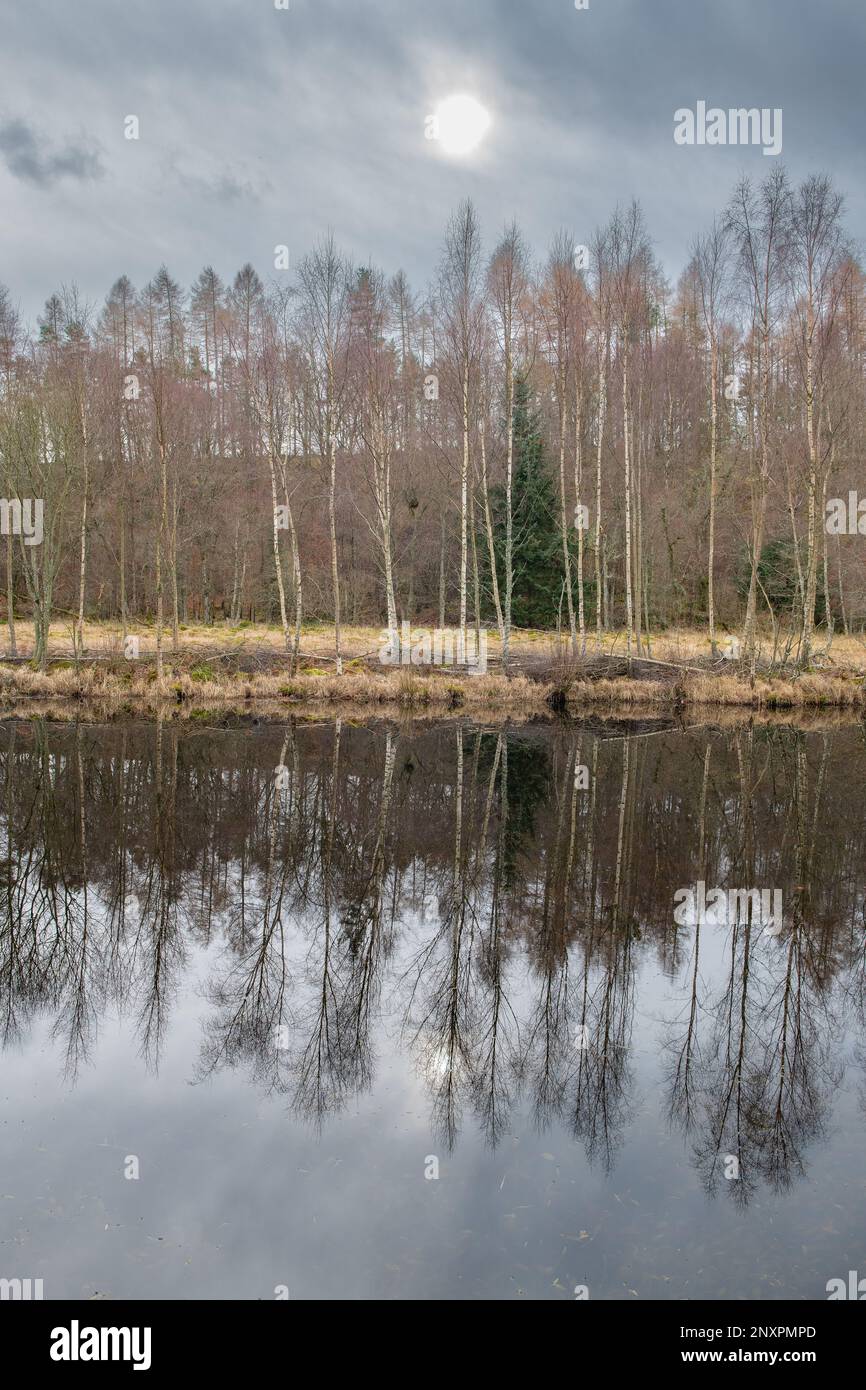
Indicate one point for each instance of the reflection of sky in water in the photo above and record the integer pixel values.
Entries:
(238, 1194)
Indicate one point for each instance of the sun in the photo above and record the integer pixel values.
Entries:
(462, 123)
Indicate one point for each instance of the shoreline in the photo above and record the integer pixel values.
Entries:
(112, 691)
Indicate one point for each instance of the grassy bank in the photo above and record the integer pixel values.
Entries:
(247, 671)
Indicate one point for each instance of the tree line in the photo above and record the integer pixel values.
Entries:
(568, 442)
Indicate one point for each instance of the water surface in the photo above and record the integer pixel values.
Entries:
(382, 1012)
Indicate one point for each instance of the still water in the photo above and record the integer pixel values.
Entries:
(349, 1011)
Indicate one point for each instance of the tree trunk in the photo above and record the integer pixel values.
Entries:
(335, 572)
(578, 494)
(711, 601)
(600, 616)
(563, 518)
(10, 595)
(82, 569)
(488, 527)
(278, 567)
(464, 485)
(629, 613)
(509, 496)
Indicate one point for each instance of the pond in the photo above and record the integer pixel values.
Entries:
(435, 1011)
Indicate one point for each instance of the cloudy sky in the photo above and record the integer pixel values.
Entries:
(262, 126)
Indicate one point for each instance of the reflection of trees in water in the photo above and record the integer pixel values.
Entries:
(304, 1028)
(576, 1054)
(250, 994)
(503, 906)
(757, 1088)
(459, 1017)
(48, 963)
(158, 938)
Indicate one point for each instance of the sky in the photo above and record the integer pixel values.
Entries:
(261, 127)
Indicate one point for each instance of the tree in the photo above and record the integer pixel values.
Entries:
(817, 268)
(757, 222)
(536, 532)
(507, 283)
(324, 317)
(463, 319)
(377, 412)
(710, 269)
(629, 257)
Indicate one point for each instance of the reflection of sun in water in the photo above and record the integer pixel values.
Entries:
(462, 123)
(439, 1064)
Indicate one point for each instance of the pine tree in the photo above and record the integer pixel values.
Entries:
(537, 537)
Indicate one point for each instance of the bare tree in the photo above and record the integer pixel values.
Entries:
(507, 284)
(462, 320)
(324, 309)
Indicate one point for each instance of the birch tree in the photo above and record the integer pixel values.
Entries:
(324, 315)
(462, 331)
(378, 416)
(817, 267)
(757, 222)
(507, 284)
(710, 263)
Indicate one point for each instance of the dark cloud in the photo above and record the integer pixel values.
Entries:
(28, 156)
(285, 122)
(213, 180)
(225, 187)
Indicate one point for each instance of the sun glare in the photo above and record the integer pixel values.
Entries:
(462, 123)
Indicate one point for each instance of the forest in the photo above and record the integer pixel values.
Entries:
(564, 441)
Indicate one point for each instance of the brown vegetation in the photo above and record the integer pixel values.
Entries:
(255, 679)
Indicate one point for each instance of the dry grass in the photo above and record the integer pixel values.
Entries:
(246, 671)
(623, 692)
(103, 639)
(806, 691)
(137, 690)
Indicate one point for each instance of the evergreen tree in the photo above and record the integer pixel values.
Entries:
(777, 576)
(537, 540)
